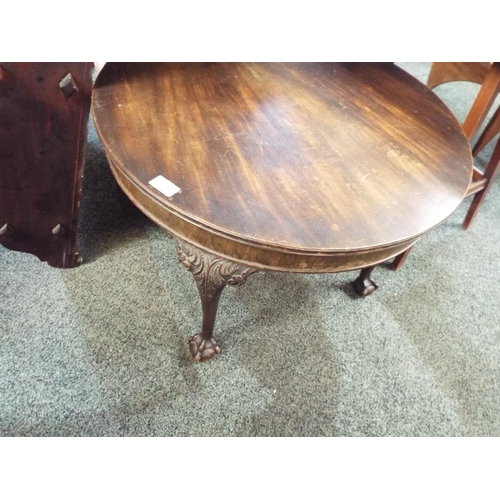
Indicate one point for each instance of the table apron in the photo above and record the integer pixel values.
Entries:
(256, 256)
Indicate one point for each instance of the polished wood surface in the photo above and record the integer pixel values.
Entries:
(44, 111)
(488, 75)
(481, 183)
(484, 73)
(483, 102)
(291, 167)
(331, 159)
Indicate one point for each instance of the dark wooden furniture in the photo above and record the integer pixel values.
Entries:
(44, 109)
(306, 167)
(445, 72)
(482, 104)
(490, 131)
(488, 75)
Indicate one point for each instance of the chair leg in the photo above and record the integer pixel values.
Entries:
(489, 174)
(491, 130)
(483, 102)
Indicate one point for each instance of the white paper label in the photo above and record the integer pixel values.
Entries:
(164, 186)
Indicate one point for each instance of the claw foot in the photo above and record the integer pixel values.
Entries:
(203, 349)
(364, 287)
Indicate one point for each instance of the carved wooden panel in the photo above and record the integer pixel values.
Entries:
(44, 110)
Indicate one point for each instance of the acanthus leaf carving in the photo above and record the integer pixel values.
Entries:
(210, 272)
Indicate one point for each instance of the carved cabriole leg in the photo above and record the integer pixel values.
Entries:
(363, 284)
(211, 274)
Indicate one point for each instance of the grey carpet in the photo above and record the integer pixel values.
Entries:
(101, 350)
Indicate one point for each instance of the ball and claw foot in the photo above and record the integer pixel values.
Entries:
(203, 349)
(364, 287)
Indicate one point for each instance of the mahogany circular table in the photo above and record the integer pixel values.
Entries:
(303, 167)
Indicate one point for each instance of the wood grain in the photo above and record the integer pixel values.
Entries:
(43, 134)
(305, 166)
(444, 72)
(483, 102)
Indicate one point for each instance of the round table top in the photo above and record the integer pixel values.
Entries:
(320, 157)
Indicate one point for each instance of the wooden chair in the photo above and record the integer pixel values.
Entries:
(488, 75)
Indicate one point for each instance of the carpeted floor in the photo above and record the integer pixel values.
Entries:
(101, 350)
